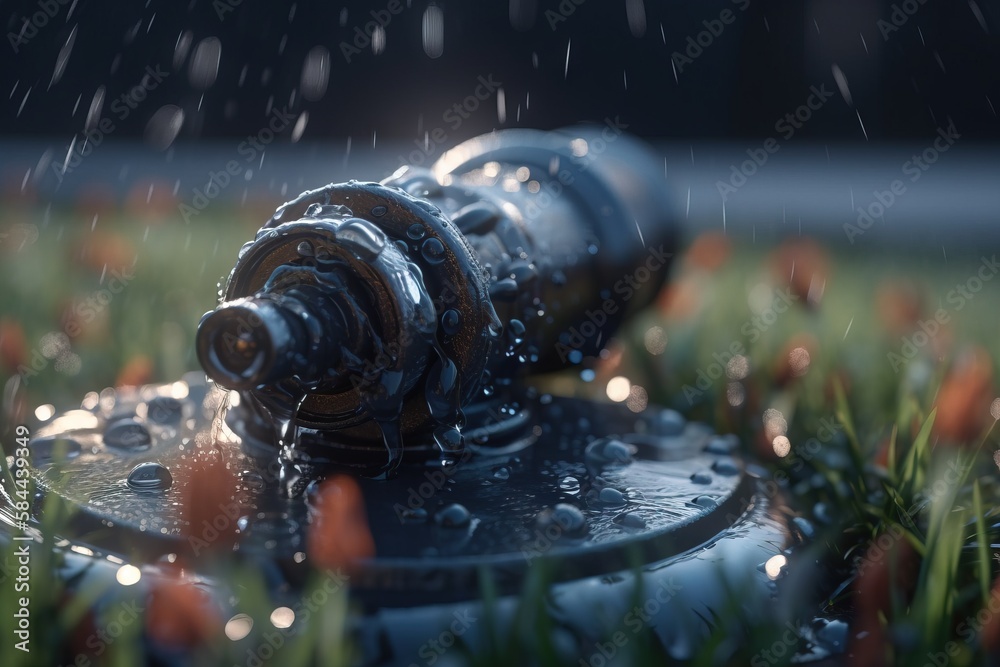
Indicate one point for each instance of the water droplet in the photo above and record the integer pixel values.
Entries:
(701, 478)
(433, 251)
(612, 497)
(164, 410)
(569, 484)
(501, 473)
(51, 448)
(164, 126)
(707, 502)
(94, 113)
(150, 476)
(127, 434)
(504, 290)
(379, 211)
(413, 515)
(726, 467)
(630, 520)
(722, 445)
(804, 526)
(565, 517)
(834, 635)
(668, 422)
(449, 439)
(305, 249)
(606, 452)
(315, 74)
(453, 516)
(432, 31)
(451, 320)
(63, 58)
(416, 231)
(204, 66)
(515, 336)
(362, 235)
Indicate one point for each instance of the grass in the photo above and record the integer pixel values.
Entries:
(893, 466)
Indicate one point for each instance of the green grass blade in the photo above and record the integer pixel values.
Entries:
(981, 542)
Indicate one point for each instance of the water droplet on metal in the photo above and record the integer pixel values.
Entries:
(451, 321)
(164, 410)
(150, 476)
(433, 251)
(127, 434)
(52, 448)
(612, 497)
(453, 516)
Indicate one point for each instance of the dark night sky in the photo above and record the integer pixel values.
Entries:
(942, 63)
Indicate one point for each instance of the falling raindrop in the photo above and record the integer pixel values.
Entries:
(94, 114)
(522, 14)
(300, 126)
(838, 76)
(315, 74)
(636, 13)
(378, 40)
(432, 31)
(181, 48)
(164, 126)
(63, 58)
(204, 66)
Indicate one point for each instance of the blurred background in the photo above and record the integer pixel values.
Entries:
(845, 151)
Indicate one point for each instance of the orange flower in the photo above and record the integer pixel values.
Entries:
(209, 504)
(339, 534)
(709, 251)
(803, 263)
(104, 252)
(681, 298)
(13, 344)
(180, 614)
(899, 306)
(138, 371)
(881, 571)
(963, 401)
